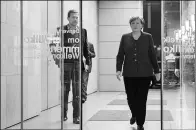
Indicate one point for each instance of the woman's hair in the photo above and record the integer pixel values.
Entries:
(135, 18)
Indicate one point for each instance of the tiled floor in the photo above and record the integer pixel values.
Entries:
(183, 118)
(115, 125)
(50, 119)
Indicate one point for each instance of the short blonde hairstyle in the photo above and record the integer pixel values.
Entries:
(135, 18)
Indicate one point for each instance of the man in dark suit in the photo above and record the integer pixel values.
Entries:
(85, 74)
(71, 62)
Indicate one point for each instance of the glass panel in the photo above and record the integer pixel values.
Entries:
(171, 83)
(41, 76)
(178, 65)
(54, 78)
(91, 79)
(70, 65)
(10, 65)
(188, 64)
(152, 17)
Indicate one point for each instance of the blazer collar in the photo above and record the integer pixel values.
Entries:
(131, 34)
(142, 33)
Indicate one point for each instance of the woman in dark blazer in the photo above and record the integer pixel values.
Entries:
(137, 56)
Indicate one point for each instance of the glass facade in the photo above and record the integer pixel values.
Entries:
(36, 87)
(10, 64)
(32, 82)
(178, 62)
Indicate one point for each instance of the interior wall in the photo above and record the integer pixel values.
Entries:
(44, 60)
(90, 22)
(53, 80)
(32, 25)
(10, 71)
(36, 64)
(113, 23)
(10, 62)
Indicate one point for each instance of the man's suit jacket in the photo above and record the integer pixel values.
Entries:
(84, 46)
(138, 56)
(91, 55)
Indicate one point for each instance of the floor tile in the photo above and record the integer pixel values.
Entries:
(180, 108)
(123, 125)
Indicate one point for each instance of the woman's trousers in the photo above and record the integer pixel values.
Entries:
(137, 91)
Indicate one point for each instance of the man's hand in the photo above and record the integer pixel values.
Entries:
(118, 75)
(177, 72)
(158, 76)
(86, 68)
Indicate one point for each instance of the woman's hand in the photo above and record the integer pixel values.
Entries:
(86, 68)
(177, 72)
(158, 76)
(118, 75)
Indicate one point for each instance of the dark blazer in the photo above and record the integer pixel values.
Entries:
(137, 57)
(84, 46)
(91, 55)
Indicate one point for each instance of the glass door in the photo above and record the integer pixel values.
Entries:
(178, 62)
(186, 34)
(171, 83)
(11, 66)
(34, 86)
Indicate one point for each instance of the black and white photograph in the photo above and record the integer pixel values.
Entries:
(98, 65)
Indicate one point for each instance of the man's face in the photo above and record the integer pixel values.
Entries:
(73, 19)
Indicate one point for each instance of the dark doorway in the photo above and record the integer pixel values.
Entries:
(152, 17)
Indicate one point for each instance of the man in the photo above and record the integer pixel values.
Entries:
(85, 74)
(71, 62)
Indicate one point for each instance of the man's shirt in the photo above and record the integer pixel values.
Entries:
(70, 50)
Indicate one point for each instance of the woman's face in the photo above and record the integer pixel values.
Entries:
(136, 25)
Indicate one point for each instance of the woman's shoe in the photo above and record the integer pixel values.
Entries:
(140, 127)
(132, 120)
(65, 118)
(76, 120)
(83, 100)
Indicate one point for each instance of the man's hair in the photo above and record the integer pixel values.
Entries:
(70, 12)
(135, 18)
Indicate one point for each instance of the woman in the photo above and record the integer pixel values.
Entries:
(137, 52)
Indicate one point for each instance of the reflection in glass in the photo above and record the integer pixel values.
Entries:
(41, 76)
(178, 63)
(71, 66)
(188, 64)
